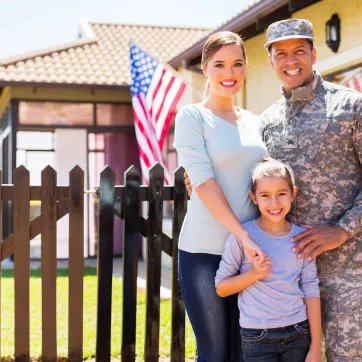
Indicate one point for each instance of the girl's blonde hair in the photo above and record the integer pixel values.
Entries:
(213, 44)
(270, 167)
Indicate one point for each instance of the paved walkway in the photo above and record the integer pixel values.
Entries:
(117, 271)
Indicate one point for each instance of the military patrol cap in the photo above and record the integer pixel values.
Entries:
(289, 29)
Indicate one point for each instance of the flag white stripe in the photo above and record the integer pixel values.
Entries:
(155, 79)
(157, 102)
(168, 102)
(142, 118)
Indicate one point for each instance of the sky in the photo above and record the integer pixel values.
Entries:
(28, 25)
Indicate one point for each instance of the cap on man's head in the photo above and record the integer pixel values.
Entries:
(289, 29)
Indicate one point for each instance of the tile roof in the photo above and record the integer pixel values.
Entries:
(101, 58)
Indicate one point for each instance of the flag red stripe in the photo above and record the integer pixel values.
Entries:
(170, 115)
(356, 84)
(157, 88)
(169, 85)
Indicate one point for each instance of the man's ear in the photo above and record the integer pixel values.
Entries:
(270, 61)
(314, 55)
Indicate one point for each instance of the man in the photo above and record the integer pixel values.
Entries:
(316, 127)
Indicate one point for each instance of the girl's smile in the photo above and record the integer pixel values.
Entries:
(273, 196)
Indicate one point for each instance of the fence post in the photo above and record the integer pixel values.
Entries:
(154, 250)
(178, 307)
(105, 264)
(76, 263)
(21, 224)
(130, 262)
(49, 262)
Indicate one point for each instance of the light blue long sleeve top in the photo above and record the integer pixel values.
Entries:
(211, 147)
(278, 300)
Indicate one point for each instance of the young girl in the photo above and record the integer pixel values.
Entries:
(279, 304)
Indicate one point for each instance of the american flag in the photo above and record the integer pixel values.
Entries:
(355, 82)
(155, 94)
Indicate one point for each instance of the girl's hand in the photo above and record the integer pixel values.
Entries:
(262, 269)
(251, 248)
(314, 355)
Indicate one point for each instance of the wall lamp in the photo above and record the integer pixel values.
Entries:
(333, 32)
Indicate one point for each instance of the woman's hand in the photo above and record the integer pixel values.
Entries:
(251, 248)
(262, 269)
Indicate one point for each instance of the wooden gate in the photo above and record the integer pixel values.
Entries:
(122, 201)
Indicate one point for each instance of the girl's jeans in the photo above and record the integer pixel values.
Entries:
(285, 344)
(215, 320)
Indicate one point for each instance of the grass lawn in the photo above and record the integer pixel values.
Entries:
(90, 303)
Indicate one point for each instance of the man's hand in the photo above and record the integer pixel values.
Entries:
(319, 238)
(262, 268)
(188, 184)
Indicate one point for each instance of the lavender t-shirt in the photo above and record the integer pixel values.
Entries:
(278, 300)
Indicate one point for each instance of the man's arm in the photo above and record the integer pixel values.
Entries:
(326, 237)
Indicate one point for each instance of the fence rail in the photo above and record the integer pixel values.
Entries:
(122, 201)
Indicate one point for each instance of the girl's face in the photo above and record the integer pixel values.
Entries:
(273, 197)
(226, 71)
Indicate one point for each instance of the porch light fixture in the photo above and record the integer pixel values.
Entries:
(333, 32)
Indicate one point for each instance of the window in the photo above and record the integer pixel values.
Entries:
(55, 113)
(114, 115)
(35, 150)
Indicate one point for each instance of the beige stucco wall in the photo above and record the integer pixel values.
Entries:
(262, 87)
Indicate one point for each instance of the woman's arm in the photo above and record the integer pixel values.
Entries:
(315, 323)
(190, 146)
(211, 194)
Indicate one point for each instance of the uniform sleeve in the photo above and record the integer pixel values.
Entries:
(190, 146)
(351, 221)
(231, 260)
(309, 279)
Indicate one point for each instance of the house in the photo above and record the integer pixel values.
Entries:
(71, 105)
(340, 63)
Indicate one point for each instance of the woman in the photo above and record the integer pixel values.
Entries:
(218, 144)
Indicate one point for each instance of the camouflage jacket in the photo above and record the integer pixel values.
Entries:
(318, 131)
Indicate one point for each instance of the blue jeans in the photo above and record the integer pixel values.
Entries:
(286, 344)
(215, 320)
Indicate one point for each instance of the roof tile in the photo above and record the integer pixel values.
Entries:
(103, 60)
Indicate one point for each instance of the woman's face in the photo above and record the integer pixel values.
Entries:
(225, 71)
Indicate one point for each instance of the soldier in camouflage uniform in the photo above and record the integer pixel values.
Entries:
(316, 127)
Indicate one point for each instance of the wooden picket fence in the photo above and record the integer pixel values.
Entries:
(122, 201)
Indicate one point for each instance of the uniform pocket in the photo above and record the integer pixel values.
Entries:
(333, 148)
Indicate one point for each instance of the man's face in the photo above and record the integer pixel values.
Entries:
(292, 60)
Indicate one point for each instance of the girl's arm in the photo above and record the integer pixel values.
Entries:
(315, 323)
(228, 281)
(309, 285)
(236, 283)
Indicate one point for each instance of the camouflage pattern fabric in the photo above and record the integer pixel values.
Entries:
(318, 131)
(289, 29)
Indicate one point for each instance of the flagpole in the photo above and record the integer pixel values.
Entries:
(172, 70)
